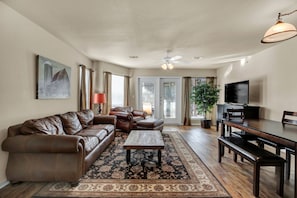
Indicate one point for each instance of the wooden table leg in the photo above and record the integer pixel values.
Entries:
(222, 134)
(159, 157)
(128, 156)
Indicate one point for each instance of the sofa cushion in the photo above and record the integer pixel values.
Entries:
(51, 125)
(90, 143)
(100, 134)
(150, 123)
(108, 127)
(137, 118)
(85, 117)
(71, 123)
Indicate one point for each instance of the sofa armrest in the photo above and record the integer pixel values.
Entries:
(139, 113)
(105, 119)
(122, 115)
(43, 144)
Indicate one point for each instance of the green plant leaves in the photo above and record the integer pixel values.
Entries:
(205, 96)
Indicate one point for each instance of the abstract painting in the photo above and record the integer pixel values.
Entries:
(53, 79)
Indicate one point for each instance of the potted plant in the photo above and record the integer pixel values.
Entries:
(205, 96)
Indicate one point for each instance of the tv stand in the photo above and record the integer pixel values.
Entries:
(250, 112)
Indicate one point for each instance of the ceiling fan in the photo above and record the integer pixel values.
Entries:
(169, 60)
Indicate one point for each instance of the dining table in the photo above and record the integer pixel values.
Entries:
(273, 131)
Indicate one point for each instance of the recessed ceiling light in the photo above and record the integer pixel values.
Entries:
(133, 56)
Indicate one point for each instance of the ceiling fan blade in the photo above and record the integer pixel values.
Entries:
(174, 58)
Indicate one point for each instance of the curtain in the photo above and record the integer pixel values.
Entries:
(82, 87)
(91, 89)
(85, 87)
(126, 90)
(107, 91)
(187, 101)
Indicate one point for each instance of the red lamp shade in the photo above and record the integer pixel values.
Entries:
(99, 98)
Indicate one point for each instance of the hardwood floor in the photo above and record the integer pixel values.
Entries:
(235, 177)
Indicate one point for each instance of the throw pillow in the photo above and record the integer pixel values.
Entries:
(51, 125)
(85, 117)
(71, 123)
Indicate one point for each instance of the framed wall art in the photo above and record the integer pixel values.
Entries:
(53, 79)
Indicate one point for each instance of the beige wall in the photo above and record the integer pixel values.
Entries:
(272, 75)
(100, 67)
(20, 42)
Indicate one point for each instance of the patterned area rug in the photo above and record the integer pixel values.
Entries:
(182, 174)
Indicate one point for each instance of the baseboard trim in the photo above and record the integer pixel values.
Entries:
(3, 184)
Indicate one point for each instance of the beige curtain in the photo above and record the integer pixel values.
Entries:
(82, 87)
(91, 88)
(85, 87)
(126, 90)
(107, 91)
(187, 101)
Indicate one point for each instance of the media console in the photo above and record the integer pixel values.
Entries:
(250, 112)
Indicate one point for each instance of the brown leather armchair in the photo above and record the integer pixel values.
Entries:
(127, 117)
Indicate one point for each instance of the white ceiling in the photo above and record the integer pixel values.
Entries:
(113, 30)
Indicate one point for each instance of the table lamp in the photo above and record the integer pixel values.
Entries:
(147, 107)
(99, 98)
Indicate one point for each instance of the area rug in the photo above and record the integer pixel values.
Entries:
(182, 174)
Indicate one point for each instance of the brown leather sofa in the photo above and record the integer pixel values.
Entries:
(57, 148)
(127, 117)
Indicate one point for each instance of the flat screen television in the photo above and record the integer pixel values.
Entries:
(237, 92)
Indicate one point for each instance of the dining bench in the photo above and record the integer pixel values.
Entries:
(257, 156)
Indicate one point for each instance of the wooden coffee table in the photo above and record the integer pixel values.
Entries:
(144, 139)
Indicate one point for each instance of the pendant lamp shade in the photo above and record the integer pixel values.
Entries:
(279, 32)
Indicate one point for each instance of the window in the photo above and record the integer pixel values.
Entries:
(117, 91)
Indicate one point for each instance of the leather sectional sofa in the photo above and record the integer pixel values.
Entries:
(57, 148)
(127, 117)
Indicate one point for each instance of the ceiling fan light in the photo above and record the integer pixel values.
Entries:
(164, 66)
(279, 32)
(170, 66)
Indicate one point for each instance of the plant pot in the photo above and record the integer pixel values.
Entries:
(205, 124)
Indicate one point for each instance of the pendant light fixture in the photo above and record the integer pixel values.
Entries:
(280, 31)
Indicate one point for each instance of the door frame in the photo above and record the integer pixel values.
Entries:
(157, 81)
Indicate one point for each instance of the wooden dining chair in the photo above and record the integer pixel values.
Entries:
(289, 117)
(237, 115)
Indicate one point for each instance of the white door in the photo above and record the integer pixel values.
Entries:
(148, 94)
(161, 97)
(170, 100)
